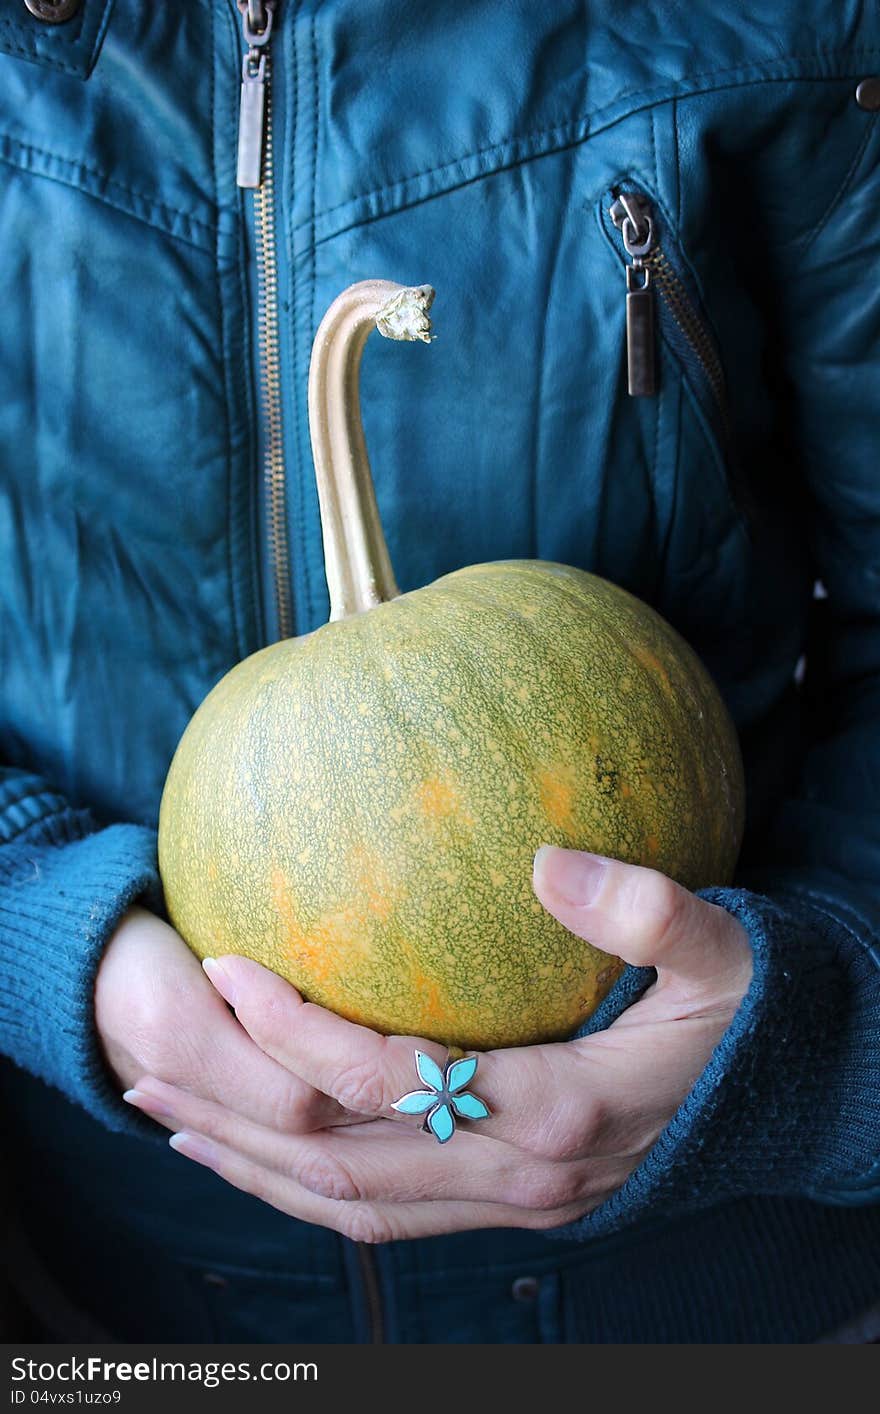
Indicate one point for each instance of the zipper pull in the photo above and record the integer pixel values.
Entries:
(631, 215)
(256, 22)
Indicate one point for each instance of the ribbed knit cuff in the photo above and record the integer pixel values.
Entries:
(62, 893)
(789, 1103)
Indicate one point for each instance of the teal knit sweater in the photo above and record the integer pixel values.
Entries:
(787, 1110)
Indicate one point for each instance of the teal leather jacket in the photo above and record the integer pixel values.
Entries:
(480, 146)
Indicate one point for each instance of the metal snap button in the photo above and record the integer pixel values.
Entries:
(53, 12)
(868, 94)
(525, 1289)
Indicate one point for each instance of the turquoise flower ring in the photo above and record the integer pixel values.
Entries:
(444, 1096)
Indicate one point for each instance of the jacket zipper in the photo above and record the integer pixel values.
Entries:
(652, 276)
(255, 173)
(650, 270)
(634, 222)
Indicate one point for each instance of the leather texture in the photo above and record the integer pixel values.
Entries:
(473, 146)
(128, 403)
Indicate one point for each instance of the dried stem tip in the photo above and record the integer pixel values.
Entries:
(406, 315)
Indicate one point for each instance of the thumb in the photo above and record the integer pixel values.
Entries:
(640, 915)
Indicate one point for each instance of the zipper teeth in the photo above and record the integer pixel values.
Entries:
(689, 322)
(274, 473)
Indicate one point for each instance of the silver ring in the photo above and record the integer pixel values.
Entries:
(445, 1097)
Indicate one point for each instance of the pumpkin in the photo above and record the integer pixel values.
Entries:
(359, 809)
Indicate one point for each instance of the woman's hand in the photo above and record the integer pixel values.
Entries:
(157, 1013)
(569, 1121)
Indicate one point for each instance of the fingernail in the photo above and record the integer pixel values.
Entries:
(148, 1103)
(574, 876)
(194, 1147)
(220, 979)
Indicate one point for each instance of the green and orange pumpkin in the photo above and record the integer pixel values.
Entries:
(359, 809)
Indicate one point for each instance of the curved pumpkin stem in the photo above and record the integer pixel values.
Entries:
(359, 573)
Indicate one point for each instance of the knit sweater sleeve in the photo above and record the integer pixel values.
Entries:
(789, 1103)
(64, 885)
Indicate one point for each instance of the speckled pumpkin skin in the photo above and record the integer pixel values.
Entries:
(359, 809)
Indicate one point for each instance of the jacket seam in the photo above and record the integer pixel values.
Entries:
(35, 57)
(111, 182)
(246, 600)
(211, 230)
(222, 335)
(71, 37)
(313, 273)
(576, 130)
(299, 297)
(676, 153)
(316, 111)
(813, 235)
(248, 644)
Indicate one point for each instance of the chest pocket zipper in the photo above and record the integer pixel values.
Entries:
(659, 294)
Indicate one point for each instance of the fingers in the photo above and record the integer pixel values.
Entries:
(175, 1108)
(235, 1073)
(366, 1073)
(360, 1069)
(362, 1221)
(642, 916)
(157, 1014)
(382, 1161)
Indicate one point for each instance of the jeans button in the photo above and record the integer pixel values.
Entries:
(525, 1289)
(54, 12)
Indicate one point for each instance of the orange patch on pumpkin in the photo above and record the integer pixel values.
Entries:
(557, 790)
(431, 1002)
(342, 933)
(652, 664)
(304, 951)
(374, 882)
(438, 798)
